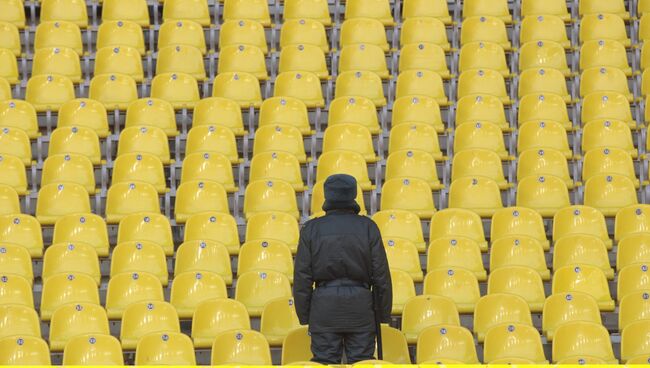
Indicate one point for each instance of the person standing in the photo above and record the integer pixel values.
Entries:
(340, 264)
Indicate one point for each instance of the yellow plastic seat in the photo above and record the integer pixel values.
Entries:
(185, 33)
(144, 139)
(15, 142)
(364, 57)
(480, 135)
(310, 58)
(544, 27)
(446, 342)
(240, 87)
(23, 230)
(363, 31)
(395, 347)
(57, 34)
(458, 284)
(209, 167)
(301, 31)
(415, 136)
(584, 278)
(413, 164)
(477, 162)
(252, 10)
(478, 194)
(86, 113)
(24, 350)
(603, 26)
(270, 195)
(213, 139)
(631, 220)
(553, 7)
(641, 359)
(518, 221)
(68, 10)
(237, 59)
(129, 288)
(400, 224)
(424, 311)
(632, 249)
(66, 288)
(57, 60)
(424, 30)
(610, 193)
(194, 10)
(13, 174)
(644, 24)
(519, 250)
(404, 288)
(274, 226)
(632, 278)
(372, 9)
(75, 141)
(214, 316)
(15, 260)
(165, 347)
(191, 288)
(13, 11)
(521, 281)
(563, 308)
(69, 168)
(544, 135)
(359, 83)
(59, 199)
(632, 308)
(256, 288)
(5, 89)
(607, 106)
(16, 290)
(240, 347)
(87, 228)
(316, 10)
(543, 54)
(219, 111)
(483, 55)
(219, 227)
(74, 320)
(148, 317)
(344, 162)
(498, 9)
(601, 6)
(10, 38)
(143, 255)
(500, 310)
(545, 84)
(318, 199)
(635, 340)
(544, 194)
(134, 11)
(304, 86)
(125, 199)
(513, 341)
(203, 256)
(89, 349)
(285, 111)
(484, 28)
(409, 194)
(426, 8)
(296, 347)
(583, 339)
(48, 92)
(19, 320)
(608, 53)
(602, 134)
(280, 138)
(544, 162)
(140, 167)
(421, 83)
(147, 226)
(403, 255)
(456, 252)
(196, 196)
(180, 89)
(9, 200)
(424, 56)
(457, 223)
(123, 60)
(278, 319)
(78, 258)
(580, 220)
(114, 91)
(120, 33)
(483, 93)
(9, 69)
(350, 137)
(581, 249)
(267, 254)
(607, 81)
(608, 161)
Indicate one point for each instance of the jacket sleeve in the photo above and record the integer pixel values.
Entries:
(303, 277)
(381, 281)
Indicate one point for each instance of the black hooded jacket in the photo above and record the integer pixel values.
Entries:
(346, 247)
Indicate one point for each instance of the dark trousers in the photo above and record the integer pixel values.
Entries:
(328, 347)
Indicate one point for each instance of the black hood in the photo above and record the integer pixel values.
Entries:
(340, 193)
